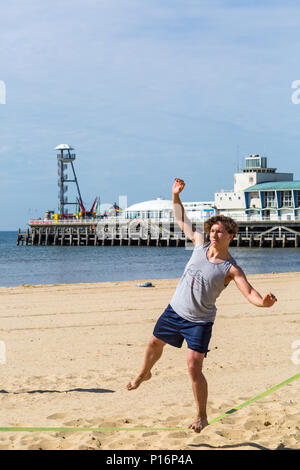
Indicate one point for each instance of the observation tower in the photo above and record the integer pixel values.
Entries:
(65, 161)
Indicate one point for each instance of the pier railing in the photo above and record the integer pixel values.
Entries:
(256, 218)
(244, 218)
(66, 222)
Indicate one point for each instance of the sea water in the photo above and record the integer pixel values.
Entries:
(72, 264)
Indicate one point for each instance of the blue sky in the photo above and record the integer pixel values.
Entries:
(144, 91)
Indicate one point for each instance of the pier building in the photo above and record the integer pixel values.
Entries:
(162, 210)
(259, 192)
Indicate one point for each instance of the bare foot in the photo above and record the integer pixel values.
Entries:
(137, 382)
(199, 424)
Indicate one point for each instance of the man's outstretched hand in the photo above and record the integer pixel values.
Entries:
(178, 186)
(269, 300)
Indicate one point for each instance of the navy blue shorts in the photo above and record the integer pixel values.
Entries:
(173, 329)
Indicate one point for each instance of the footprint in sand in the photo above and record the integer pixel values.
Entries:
(232, 434)
(171, 420)
(44, 444)
(77, 423)
(58, 416)
(178, 434)
(253, 424)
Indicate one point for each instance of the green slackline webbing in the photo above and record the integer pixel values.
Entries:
(270, 390)
(229, 412)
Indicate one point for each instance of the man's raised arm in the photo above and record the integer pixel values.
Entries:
(180, 216)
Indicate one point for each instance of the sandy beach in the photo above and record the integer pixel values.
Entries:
(71, 350)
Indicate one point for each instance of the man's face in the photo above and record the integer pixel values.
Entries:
(219, 236)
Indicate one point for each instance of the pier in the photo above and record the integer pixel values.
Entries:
(122, 232)
(104, 233)
(264, 203)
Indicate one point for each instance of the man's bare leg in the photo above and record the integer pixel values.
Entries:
(153, 353)
(199, 385)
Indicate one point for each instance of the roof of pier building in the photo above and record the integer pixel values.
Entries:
(158, 204)
(274, 186)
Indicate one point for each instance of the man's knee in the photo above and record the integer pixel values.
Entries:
(195, 361)
(156, 342)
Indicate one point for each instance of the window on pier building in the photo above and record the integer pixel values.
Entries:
(286, 199)
(270, 199)
(255, 161)
(298, 198)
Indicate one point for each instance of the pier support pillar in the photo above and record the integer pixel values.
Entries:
(62, 235)
(26, 236)
(47, 235)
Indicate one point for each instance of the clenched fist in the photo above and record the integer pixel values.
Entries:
(178, 186)
(269, 300)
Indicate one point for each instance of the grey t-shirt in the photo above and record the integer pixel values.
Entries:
(200, 285)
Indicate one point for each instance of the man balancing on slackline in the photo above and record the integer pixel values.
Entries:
(192, 311)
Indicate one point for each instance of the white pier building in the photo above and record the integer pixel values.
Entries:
(162, 210)
(260, 193)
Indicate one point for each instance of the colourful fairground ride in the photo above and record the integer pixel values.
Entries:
(113, 211)
(80, 213)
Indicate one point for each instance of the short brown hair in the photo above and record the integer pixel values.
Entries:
(230, 225)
